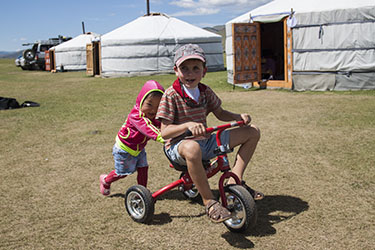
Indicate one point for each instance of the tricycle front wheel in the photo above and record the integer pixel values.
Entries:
(243, 208)
(139, 204)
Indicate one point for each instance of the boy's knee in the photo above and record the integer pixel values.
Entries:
(254, 133)
(190, 150)
(257, 132)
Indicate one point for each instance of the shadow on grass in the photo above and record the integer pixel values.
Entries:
(174, 195)
(271, 210)
(161, 219)
(118, 195)
(237, 240)
(274, 209)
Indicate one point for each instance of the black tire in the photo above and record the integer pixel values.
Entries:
(191, 194)
(243, 209)
(41, 66)
(139, 204)
(26, 67)
(29, 55)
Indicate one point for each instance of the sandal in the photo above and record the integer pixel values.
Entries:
(257, 196)
(216, 212)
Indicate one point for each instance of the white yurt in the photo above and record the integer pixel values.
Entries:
(71, 55)
(146, 46)
(310, 45)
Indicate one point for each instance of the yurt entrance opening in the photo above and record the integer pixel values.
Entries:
(272, 51)
(96, 59)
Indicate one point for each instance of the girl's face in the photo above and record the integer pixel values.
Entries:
(150, 106)
(191, 72)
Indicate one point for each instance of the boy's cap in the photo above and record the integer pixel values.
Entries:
(189, 51)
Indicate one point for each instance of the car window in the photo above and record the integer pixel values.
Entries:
(44, 47)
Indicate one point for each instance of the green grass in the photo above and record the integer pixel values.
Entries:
(315, 163)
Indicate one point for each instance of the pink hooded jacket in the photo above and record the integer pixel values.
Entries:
(138, 129)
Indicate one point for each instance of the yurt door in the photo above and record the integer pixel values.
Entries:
(52, 60)
(89, 60)
(93, 59)
(247, 52)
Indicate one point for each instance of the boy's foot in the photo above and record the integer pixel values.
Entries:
(255, 194)
(216, 212)
(105, 188)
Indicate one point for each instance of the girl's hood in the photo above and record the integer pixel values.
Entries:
(147, 88)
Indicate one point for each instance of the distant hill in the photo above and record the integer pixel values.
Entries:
(10, 54)
(220, 30)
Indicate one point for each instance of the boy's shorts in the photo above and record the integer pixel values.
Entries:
(207, 146)
(125, 163)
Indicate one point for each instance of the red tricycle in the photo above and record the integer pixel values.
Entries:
(140, 202)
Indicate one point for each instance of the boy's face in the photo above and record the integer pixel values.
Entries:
(190, 72)
(150, 106)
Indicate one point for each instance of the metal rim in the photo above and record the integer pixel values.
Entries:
(192, 193)
(236, 207)
(136, 205)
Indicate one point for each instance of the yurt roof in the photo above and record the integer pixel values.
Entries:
(281, 8)
(77, 42)
(157, 28)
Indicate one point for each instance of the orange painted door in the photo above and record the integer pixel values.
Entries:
(89, 60)
(246, 52)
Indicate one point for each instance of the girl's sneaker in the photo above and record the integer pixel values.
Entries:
(105, 188)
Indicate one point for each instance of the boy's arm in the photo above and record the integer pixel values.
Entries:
(169, 130)
(225, 115)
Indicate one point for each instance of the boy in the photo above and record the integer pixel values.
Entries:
(185, 105)
(140, 126)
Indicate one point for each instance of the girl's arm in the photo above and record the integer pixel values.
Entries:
(146, 127)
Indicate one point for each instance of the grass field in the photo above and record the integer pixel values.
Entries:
(315, 163)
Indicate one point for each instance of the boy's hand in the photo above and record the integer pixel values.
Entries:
(246, 118)
(197, 128)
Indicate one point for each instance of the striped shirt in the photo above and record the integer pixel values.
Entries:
(173, 107)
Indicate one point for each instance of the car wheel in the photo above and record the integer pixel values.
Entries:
(26, 67)
(29, 55)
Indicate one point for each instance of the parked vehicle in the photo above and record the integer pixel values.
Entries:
(33, 58)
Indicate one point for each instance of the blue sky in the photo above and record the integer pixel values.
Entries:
(25, 21)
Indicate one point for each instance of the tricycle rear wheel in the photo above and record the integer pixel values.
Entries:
(191, 193)
(139, 204)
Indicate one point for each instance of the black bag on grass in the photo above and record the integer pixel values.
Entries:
(11, 103)
(8, 103)
(29, 104)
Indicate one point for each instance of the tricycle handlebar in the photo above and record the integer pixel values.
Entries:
(224, 126)
(188, 133)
